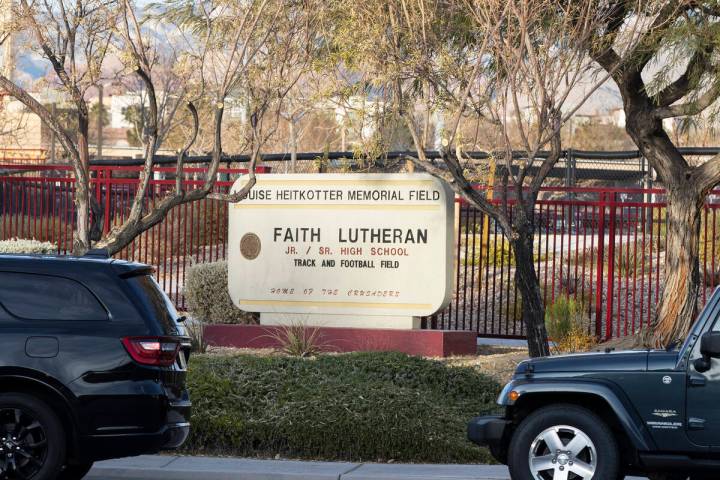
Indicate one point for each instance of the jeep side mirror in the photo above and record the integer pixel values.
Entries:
(709, 349)
(710, 345)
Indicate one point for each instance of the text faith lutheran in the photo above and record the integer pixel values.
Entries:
(353, 235)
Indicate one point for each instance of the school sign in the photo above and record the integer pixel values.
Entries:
(351, 250)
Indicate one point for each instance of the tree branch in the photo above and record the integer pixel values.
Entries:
(465, 189)
(692, 107)
(601, 46)
(57, 63)
(150, 148)
(181, 156)
(47, 118)
(555, 153)
(616, 18)
(648, 45)
(690, 79)
(707, 175)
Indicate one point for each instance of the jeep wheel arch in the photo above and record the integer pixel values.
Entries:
(617, 412)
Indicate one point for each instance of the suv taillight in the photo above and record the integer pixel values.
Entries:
(155, 351)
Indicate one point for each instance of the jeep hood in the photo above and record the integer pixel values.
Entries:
(625, 361)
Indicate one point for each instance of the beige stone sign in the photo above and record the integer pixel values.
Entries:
(353, 250)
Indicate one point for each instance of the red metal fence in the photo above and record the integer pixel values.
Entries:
(602, 248)
(41, 207)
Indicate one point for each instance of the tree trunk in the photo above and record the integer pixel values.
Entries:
(685, 197)
(678, 305)
(82, 242)
(527, 283)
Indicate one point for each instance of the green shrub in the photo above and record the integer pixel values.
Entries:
(207, 296)
(497, 252)
(567, 324)
(633, 261)
(19, 245)
(358, 407)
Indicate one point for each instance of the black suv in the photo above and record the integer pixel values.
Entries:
(92, 365)
(604, 415)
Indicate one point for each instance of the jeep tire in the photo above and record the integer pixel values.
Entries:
(538, 446)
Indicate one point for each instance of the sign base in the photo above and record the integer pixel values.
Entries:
(427, 343)
(326, 320)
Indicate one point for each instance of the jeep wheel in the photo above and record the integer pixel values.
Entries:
(32, 443)
(563, 442)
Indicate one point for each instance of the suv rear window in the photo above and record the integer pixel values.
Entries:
(44, 297)
(156, 302)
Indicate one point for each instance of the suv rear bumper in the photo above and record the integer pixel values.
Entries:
(490, 431)
(102, 447)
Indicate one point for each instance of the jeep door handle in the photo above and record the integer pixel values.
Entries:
(697, 381)
(696, 423)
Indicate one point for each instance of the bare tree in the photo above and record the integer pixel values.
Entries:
(301, 100)
(74, 37)
(672, 72)
(170, 78)
(239, 48)
(512, 63)
(230, 47)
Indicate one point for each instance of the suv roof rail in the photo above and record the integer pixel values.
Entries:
(98, 253)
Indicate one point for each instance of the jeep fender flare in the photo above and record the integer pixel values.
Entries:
(623, 410)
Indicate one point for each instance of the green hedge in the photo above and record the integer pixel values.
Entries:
(206, 292)
(356, 407)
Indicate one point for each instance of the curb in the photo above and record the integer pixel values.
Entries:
(160, 467)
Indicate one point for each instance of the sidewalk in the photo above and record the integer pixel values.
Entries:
(208, 468)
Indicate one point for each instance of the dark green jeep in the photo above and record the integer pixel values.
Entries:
(606, 415)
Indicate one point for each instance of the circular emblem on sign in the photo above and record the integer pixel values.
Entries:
(250, 246)
(667, 380)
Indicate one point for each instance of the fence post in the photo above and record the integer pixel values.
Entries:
(97, 180)
(600, 264)
(107, 175)
(570, 174)
(611, 267)
(225, 176)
